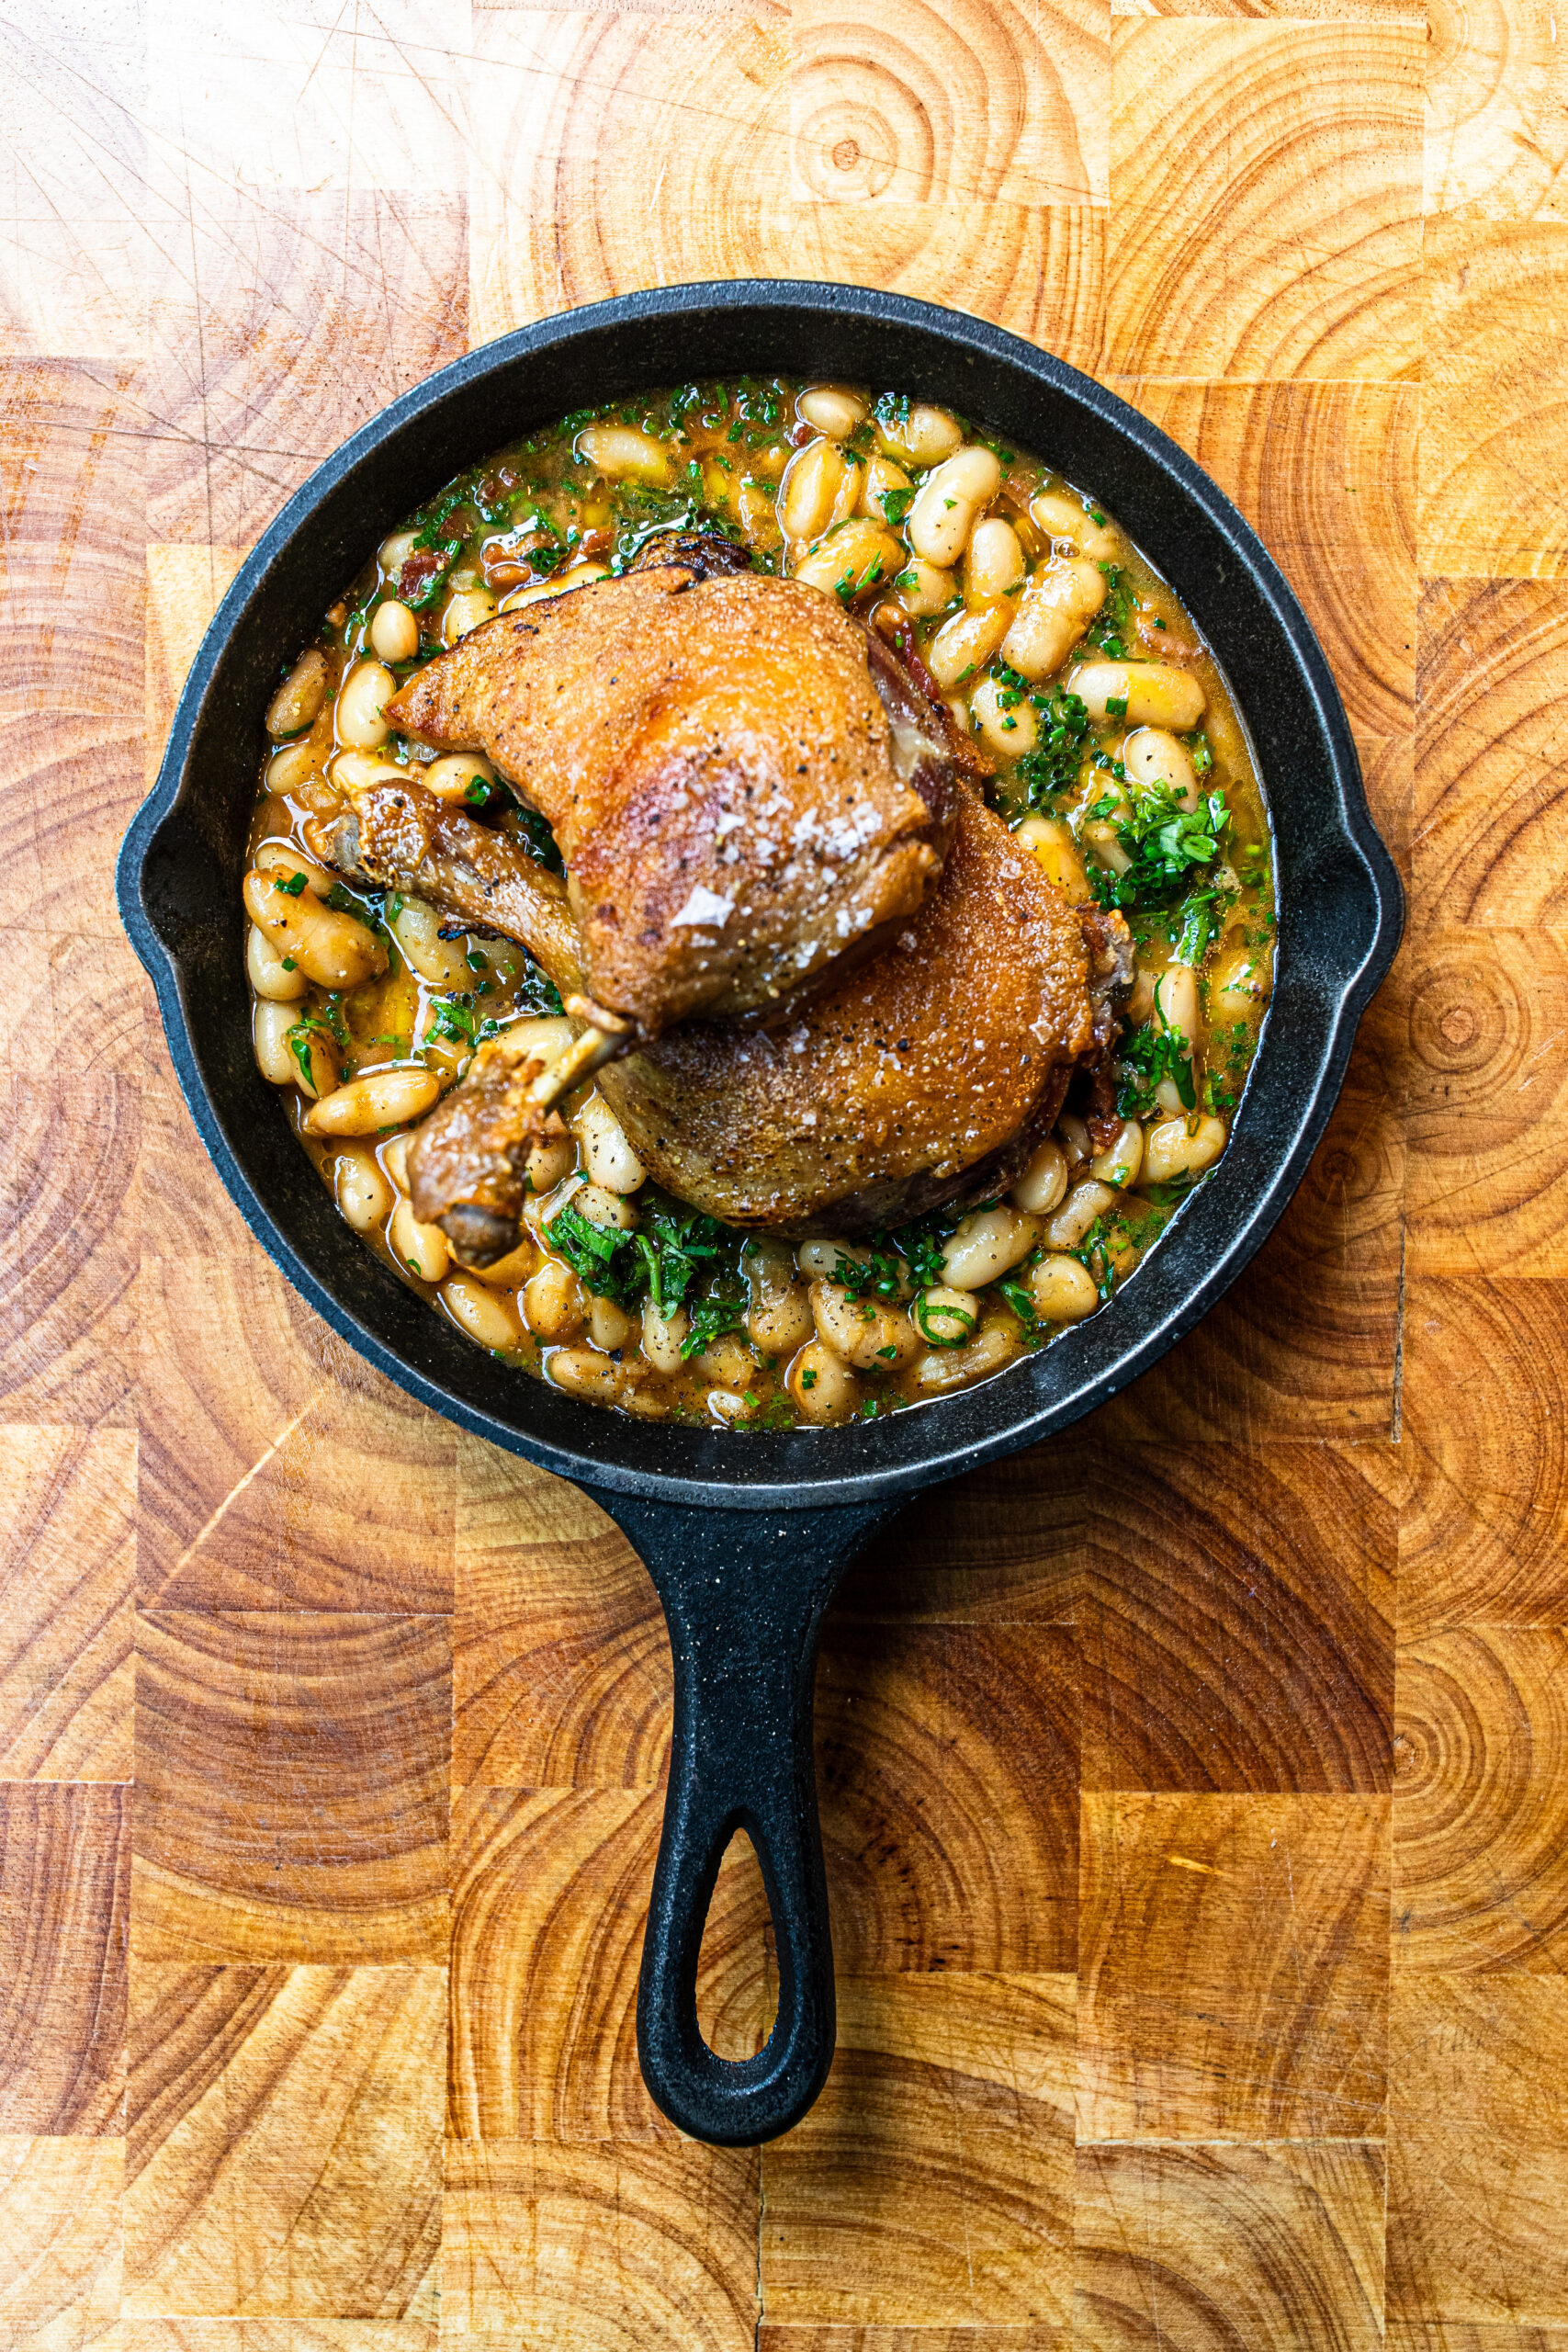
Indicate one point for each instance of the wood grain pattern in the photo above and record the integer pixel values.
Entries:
(1488, 1167)
(283, 328)
(278, 1470)
(1233, 1968)
(291, 1786)
(1491, 841)
(1479, 1855)
(915, 1838)
(932, 2182)
(1497, 111)
(67, 1575)
(1492, 397)
(1484, 1537)
(1326, 473)
(550, 1903)
(1202, 2248)
(1478, 2149)
(915, 104)
(180, 2334)
(60, 2239)
(1221, 263)
(65, 1872)
(1237, 1620)
(284, 2142)
(560, 1659)
(600, 2249)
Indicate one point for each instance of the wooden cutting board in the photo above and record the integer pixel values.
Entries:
(1194, 1787)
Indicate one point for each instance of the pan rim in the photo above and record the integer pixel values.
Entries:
(938, 1439)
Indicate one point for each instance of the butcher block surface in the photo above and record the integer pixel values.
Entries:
(1195, 1787)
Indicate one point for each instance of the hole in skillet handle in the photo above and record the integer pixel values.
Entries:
(744, 1595)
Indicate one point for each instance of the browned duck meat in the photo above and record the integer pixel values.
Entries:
(921, 1078)
(744, 783)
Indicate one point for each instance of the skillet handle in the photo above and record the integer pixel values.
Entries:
(744, 1595)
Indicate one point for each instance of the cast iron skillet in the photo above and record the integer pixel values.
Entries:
(745, 1536)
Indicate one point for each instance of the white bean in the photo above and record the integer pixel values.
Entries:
(394, 631)
(1182, 1148)
(1119, 1163)
(360, 717)
(416, 927)
(1086, 1202)
(1053, 614)
(882, 477)
(269, 975)
(864, 1332)
(728, 1362)
(943, 513)
(1050, 840)
(583, 1371)
(357, 772)
(923, 589)
(1007, 723)
(946, 1317)
(464, 611)
(298, 700)
(988, 1244)
(821, 1258)
(609, 1326)
(1060, 516)
(450, 778)
(576, 575)
(394, 1159)
(485, 1314)
(993, 563)
(272, 1027)
(1062, 1290)
(922, 436)
(1176, 1002)
(831, 409)
(622, 454)
(598, 1206)
(1043, 1182)
(726, 1406)
(1073, 1137)
(606, 1155)
(388, 1098)
(361, 1191)
(1240, 986)
(966, 644)
(555, 1303)
(1153, 755)
(780, 1315)
(419, 1246)
(550, 1161)
(821, 1385)
(1148, 694)
(809, 492)
(291, 767)
(857, 555)
(393, 553)
(662, 1335)
(957, 1367)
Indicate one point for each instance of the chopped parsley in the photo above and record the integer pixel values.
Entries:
(1145, 1057)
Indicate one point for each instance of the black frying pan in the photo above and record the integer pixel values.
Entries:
(745, 1536)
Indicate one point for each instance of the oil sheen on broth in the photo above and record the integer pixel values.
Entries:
(1135, 790)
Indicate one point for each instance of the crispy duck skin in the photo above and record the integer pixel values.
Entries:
(923, 1078)
(744, 783)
